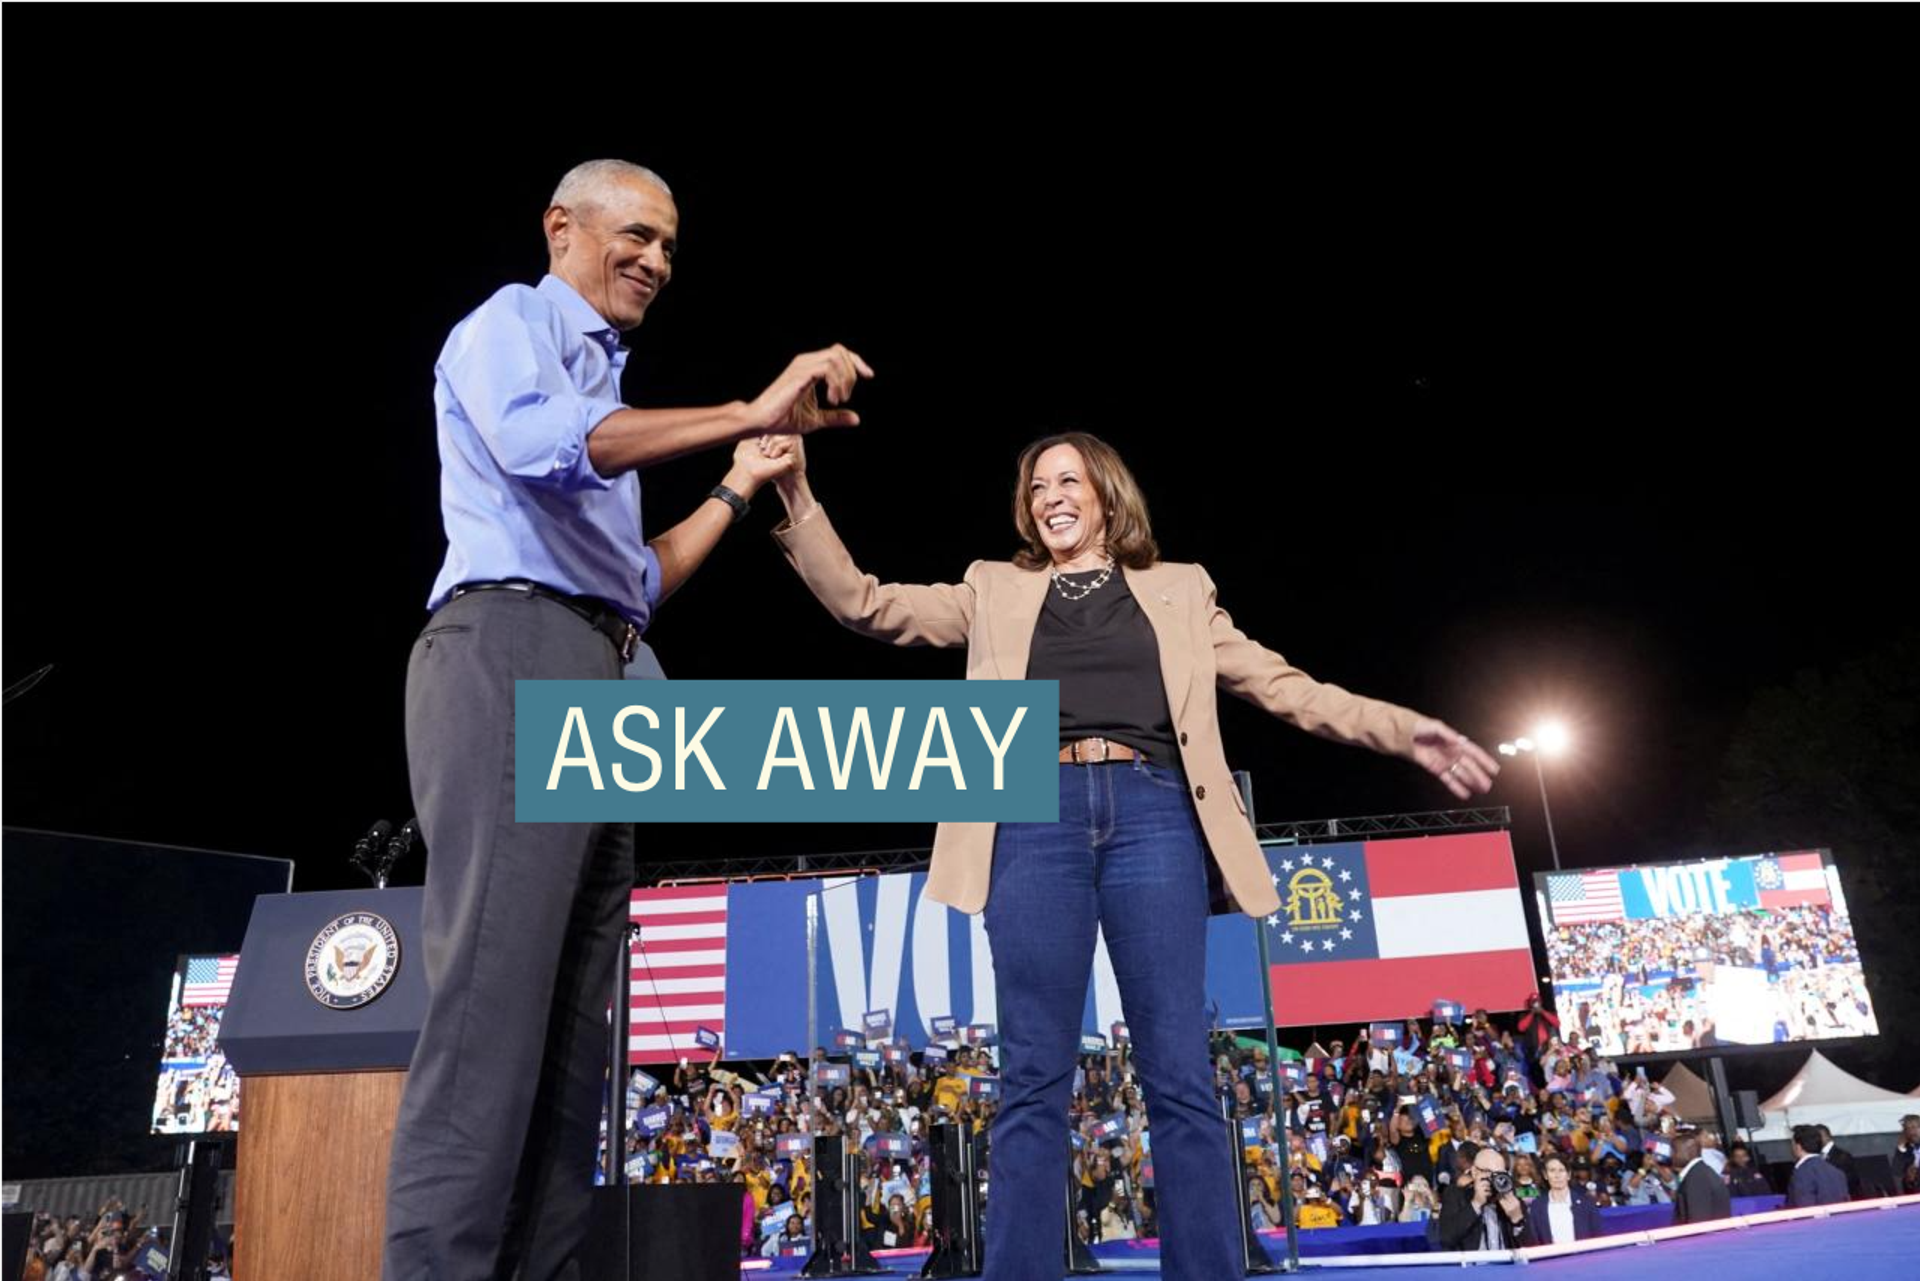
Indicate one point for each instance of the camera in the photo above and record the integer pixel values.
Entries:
(1501, 1182)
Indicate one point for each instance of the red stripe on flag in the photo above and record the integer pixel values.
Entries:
(1345, 992)
(674, 1000)
(1793, 898)
(685, 918)
(681, 1028)
(687, 1051)
(1799, 862)
(710, 944)
(718, 889)
(641, 970)
(1440, 865)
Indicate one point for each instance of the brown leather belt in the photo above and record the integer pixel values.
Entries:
(1093, 751)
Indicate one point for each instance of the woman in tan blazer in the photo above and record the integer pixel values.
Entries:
(1138, 645)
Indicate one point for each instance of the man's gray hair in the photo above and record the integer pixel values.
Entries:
(586, 185)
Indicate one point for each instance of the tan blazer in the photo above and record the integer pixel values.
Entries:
(993, 612)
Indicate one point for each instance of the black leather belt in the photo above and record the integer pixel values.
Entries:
(605, 619)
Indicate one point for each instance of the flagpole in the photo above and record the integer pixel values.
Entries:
(813, 1013)
(1282, 1112)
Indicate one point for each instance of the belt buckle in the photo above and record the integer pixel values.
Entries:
(1106, 752)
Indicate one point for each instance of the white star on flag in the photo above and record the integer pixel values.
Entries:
(1287, 937)
(1346, 934)
(1345, 875)
(1286, 865)
(1353, 916)
(1326, 862)
(1274, 919)
(1307, 946)
(1328, 945)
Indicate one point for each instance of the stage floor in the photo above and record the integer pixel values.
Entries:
(1871, 1243)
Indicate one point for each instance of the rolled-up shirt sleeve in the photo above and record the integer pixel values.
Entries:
(507, 369)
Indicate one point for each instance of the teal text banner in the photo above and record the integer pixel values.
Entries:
(786, 751)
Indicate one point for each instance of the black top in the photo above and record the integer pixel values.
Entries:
(1102, 650)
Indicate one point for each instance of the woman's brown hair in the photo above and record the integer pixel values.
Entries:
(1129, 532)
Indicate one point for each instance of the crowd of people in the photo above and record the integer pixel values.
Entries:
(110, 1245)
(1384, 1136)
(198, 1091)
(1648, 986)
(712, 1124)
(192, 1032)
(1376, 1134)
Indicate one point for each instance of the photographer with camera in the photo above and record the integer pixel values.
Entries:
(1482, 1212)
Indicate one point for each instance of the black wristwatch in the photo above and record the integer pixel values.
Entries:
(740, 505)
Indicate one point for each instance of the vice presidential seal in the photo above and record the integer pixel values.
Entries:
(352, 960)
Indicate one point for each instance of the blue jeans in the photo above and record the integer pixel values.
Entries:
(1127, 857)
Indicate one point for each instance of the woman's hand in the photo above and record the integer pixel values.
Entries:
(755, 462)
(791, 479)
(1453, 758)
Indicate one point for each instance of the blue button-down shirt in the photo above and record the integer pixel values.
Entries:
(518, 387)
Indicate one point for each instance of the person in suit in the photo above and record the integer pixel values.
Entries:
(1906, 1157)
(1565, 1212)
(1744, 1178)
(1139, 646)
(1815, 1181)
(1701, 1195)
(1840, 1159)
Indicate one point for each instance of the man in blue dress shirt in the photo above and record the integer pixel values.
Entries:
(547, 577)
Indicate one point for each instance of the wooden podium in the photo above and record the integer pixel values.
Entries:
(320, 1088)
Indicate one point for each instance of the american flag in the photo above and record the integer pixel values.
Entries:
(679, 970)
(208, 980)
(1585, 896)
